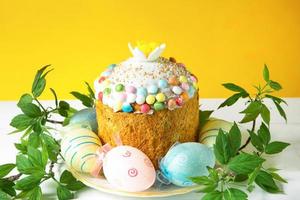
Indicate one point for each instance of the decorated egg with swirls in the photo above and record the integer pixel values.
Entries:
(128, 169)
(186, 160)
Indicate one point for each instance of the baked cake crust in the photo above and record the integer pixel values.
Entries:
(153, 133)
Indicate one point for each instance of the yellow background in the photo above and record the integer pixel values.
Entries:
(220, 41)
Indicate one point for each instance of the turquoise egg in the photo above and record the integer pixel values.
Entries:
(86, 116)
(186, 160)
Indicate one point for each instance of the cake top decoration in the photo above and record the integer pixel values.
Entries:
(146, 82)
(146, 51)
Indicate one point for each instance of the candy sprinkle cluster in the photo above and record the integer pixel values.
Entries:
(168, 93)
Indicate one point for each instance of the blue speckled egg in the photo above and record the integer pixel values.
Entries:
(86, 116)
(186, 160)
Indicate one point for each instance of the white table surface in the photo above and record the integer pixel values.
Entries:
(288, 161)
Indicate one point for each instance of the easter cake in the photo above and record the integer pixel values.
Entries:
(151, 102)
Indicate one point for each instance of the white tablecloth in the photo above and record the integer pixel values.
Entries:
(288, 161)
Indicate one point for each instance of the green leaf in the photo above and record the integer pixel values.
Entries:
(55, 96)
(264, 134)
(235, 194)
(34, 140)
(278, 177)
(25, 99)
(266, 73)
(233, 99)
(234, 139)
(265, 114)
(233, 87)
(4, 196)
(39, 82)
(40, 87)
(31, 110)
(75, 186)
(251, 112)
(276, 99)
(5, 169)
(35, 157)
(85, 100)
(21, 122)
(222, 148)
(256, 142)
(45, 155)
(38, 76)
(63, 193)
(266, 182)
(204, 116)
(275, 85)
(281, 111)
(52, 147)
(66, 177)
(91, 92)
(29, 182)
(244, 163)
(202, 180)
(24, 165)
(36, 193)
(253, 175)
(215, 195)
(276, 147)
(64, 105)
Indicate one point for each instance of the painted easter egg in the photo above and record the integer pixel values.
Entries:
(210, 130)
(128, 169)
(186, 160)
(86, 116)
(79, 147)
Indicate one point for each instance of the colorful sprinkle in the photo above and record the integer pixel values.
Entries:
(106, 73)
(100, 96)
(160, 97)
(172, 104)
(152, 89)
(173, 80)
(118, 106)
(177, 90)
(142, 91)
(185, 86)
(159, 106)
(184, 96)
(101, 79)
(106, 91)
(195, 85)
(127, 108)
(181, 65)
(150, 99)
(130, 89)
(131, 98)
(145, 108)
(183, 79)
(191, 92)
(179, 101)
(193, 78)
(162, 84)
(119, 87)
(112, 66)
(140, 99)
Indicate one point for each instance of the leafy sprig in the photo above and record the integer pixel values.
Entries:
(39, 150)
(233, 164)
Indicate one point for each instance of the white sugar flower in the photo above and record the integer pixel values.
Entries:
(146, 51)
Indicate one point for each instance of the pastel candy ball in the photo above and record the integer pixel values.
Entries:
(160, 97)
(101, 79)
(172, 104)
(142, 91)
(187, 160)
(131, 97)
(127, 108)
(140, 99)
(86, 116)
(150, 99)
(106, 73)
(79, 147)
(183, 79)
(128, 169)
(179, 101)
(191, 92)
(106, 91)
(195, 85)
(100, 96)
(120, 96)
(118, 106)
(185, 86)
(193, 78)
(184, 96)
(130, 89)
(152, 89)
(162, 84)
(145, 108)
(119, 87)
(177, 90)
(159, 106)
(173, 80)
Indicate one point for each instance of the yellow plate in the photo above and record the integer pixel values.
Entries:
(158, 190)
